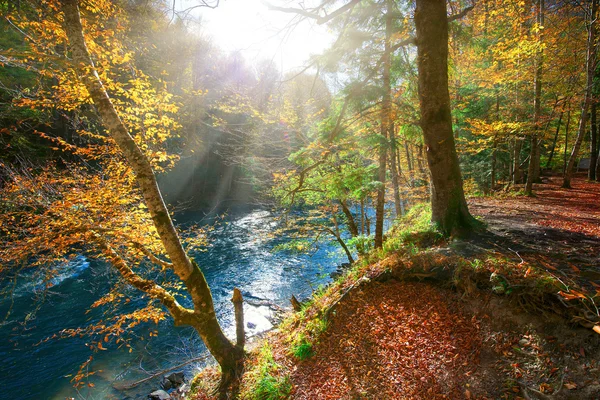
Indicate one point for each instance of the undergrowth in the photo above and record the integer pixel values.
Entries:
(411, 251)
(265, 379)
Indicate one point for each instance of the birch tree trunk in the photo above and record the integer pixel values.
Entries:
(448, 204)
(590, 70)
(203, 318)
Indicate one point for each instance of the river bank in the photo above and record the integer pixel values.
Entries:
(506, 313)
(240, 255)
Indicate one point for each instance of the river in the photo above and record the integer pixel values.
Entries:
(240, 255)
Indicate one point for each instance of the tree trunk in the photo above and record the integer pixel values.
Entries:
(494, 147)
(336, 233)
(517, 171)
(590, 70)
(362, 216)
(493, 165)
(597, 166)
(566, 140)
(238, 307)
(203, 319)
(534, 155)
(385, 125)
(367, 219)
(352, 227)
(448, 205)
(511, 162)
(420, 159)
(394, 168)
(593, 144)
(408, 158)
(553, 148)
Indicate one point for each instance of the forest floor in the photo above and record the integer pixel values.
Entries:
(558, 229)
(505, 324)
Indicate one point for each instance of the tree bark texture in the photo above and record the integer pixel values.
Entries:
(593, 143)
(567, 128)
(238, 307)
(553, 148)
(590, 70)
(517, 171)
(203, 318)
(352, 227)
(448, 204)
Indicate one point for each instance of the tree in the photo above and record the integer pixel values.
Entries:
(448, 204)
(202, 317)
(591, 63)
(534, 156)
(386, 122)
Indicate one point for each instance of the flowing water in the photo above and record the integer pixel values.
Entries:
(240, 255)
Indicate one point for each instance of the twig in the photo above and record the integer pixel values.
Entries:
(124, 386)
(517, 253)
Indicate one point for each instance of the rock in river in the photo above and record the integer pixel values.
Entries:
(159, 395)
(173, 380)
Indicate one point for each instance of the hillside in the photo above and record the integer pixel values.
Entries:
(505, 313)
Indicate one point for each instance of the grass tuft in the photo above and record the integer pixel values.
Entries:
(265, 381)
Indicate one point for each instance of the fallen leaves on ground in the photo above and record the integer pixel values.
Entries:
(395, 341)
(557, 230)
(574, 210)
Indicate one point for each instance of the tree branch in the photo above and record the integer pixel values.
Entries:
(461, 14)
(181, 315)
(151, 256)
(311, 14)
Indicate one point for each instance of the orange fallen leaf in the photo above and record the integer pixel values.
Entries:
(596, 329)
(574, 268)
(572, 295)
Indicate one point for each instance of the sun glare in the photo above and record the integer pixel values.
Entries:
(248, 26)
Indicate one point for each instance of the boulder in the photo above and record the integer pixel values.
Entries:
(173, 380)
(166, 384)
(159, 395)
(177, 378)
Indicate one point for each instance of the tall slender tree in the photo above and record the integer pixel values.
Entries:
(590, 70)
(202, 317)
(386, 122)
(534, 155)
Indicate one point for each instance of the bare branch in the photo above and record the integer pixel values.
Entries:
(461, 14)
(312, 14)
